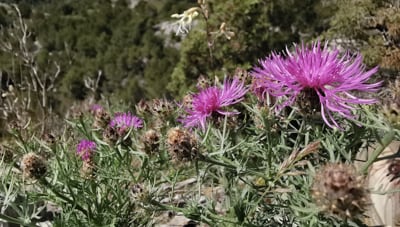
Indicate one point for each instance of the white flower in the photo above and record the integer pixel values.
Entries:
(185, 21)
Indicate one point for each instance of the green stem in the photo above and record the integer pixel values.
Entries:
(387, 139)
(122, 160)
(229, 166)
(20, 138)
(63, 197)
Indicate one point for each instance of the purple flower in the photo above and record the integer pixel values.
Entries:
(96, 110)
(96, 107)
(125, 121)
(85, 148)
(212, 100)
(330, 77)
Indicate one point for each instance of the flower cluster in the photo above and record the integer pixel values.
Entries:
(318, 73)
(85, 149)
(125, 121)
(211, 100)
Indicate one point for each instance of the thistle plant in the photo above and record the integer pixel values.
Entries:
(269, 169)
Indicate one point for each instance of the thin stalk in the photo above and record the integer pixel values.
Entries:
(121, 159)
(387, 139)
(229, 166)
(223, 135)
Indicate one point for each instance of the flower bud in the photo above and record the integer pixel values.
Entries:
(150, 141)
(33, 166)
(338, 190)
(182, 145)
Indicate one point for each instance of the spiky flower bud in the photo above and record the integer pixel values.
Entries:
(203, 82)
(150, 141)
(33, 166)
(49, 138)
(187, 101)
(136, 191)
(182, 145)
(101, 119)
(142, 108)
(161, 107)
(338, 190)
(110, 135)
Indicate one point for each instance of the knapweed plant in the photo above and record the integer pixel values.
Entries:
(280, 150)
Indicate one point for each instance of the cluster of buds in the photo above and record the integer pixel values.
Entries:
(182, 145)
(33, 166)
(158, 110)
(161, 108)
(339, 191)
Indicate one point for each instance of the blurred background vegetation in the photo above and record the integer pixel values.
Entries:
(127, 50)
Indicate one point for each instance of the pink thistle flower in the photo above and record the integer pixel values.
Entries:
(211, 100)
(85, 149)
(125, 121)
(330, 77)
